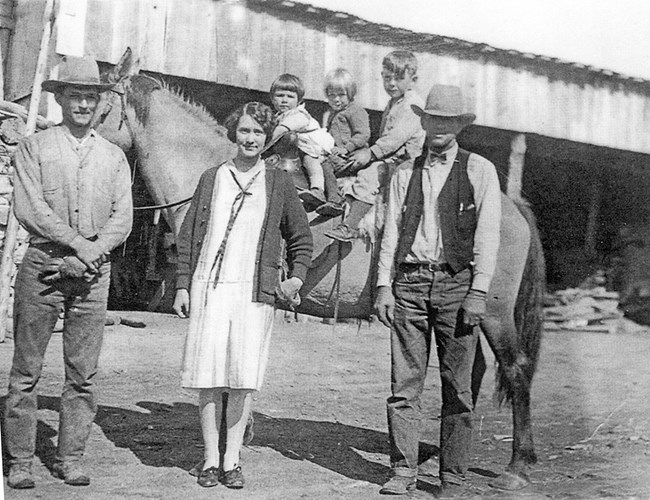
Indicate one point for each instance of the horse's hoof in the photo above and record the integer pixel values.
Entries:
(510, 481)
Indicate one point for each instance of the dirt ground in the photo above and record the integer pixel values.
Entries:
(320, 428)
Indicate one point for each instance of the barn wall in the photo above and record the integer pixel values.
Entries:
(248, 45)
(6, 27)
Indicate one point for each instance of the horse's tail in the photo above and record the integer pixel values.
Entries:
(528, 307)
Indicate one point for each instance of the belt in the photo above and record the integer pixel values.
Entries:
(56, 249)
(409, 267)
(53, 249)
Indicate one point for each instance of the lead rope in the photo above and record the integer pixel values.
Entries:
(234, 212)
(337, 284)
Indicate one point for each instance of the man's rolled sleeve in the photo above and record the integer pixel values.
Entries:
(487, 197)
(392, 223)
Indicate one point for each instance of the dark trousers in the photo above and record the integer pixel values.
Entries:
(36, 309)
(426, 302)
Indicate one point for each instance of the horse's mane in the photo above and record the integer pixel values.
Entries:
(139, 98)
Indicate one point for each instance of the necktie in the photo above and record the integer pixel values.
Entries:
(234, 212)
(433, 156)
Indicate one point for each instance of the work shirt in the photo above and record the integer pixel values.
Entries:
(400, 131)
(427, 246)
(65, 188)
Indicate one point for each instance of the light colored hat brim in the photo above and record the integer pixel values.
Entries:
(466, 117)
(55, 86)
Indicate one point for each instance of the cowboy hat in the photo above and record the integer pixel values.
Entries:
(78, 72)
(445, 101)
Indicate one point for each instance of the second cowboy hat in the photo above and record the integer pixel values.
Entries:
(445, 101)
(79, 72)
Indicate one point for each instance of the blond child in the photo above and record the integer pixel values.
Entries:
(348, 123)
(401, 138)
(312, 142)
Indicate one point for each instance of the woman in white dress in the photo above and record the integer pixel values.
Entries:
(230, 259)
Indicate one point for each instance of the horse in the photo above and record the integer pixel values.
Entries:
(177, 140)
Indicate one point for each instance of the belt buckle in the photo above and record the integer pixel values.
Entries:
(433, 267)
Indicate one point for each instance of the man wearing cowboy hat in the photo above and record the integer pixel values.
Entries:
(72, 192)
(439, 251)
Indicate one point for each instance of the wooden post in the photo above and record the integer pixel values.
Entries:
(7, 263)
(591, 231)
(516, 166)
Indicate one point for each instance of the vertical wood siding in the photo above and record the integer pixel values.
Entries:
(226, 42)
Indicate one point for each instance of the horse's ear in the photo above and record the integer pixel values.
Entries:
(126, 66)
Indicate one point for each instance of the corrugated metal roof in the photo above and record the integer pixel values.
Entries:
(383, 34)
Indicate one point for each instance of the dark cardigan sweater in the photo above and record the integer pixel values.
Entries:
(285, 219)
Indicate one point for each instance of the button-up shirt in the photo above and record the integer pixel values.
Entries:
(64, 188)
(427, 246)
(400, 131)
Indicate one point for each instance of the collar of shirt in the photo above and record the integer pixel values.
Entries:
(76, 143)
(450, 156)
(394, 101)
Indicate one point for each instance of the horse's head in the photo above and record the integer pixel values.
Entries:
(111, 120)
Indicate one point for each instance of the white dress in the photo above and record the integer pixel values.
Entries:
(228, 340)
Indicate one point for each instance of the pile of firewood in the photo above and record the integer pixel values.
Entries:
(583, 309)
(12, 129)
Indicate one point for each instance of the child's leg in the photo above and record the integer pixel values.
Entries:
(314, 172)
(313, 197)
(237, 411)
(210, 412)
(331, 187)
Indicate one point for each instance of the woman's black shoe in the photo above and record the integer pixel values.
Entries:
(233, 478)
(209, 477)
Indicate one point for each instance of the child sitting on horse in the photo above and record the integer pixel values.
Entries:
(348, 123)
(401, 138)
(305, 142)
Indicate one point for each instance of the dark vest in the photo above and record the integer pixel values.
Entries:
(457, 213)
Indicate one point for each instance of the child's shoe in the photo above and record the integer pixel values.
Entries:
(343, 232)
(331, 209)
(312, 198)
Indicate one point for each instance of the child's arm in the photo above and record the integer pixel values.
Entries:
(279, 130)
(293, 120)
(405, 126)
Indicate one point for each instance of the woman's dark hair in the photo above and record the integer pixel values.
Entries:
(261, 113)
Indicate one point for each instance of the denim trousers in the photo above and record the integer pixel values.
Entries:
(428, 304)
(36, 309)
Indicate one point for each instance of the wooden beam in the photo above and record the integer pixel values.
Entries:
(11, 234)
(591, 233)
(516, 166)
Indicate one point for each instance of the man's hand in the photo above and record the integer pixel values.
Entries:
(385, 305)
(89, 253)
(474, 307)
(73, 267)
(56, 269)
(182, 303)
(51, 272)
(288, 291)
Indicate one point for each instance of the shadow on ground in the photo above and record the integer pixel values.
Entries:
(164, 435)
